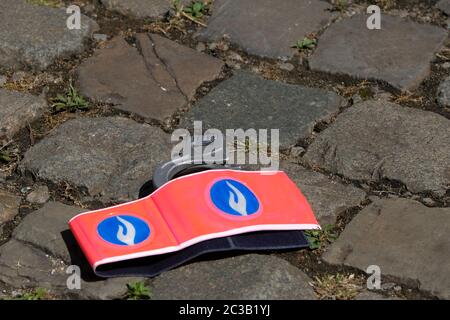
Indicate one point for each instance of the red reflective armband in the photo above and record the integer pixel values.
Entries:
(192, 209)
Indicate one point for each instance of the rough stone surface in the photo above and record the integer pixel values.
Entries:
(16, 110)
(39, 195)
(444, 5)
(404, 238)
(139, 8)
(100, 37)
(248, 101)
(246, 277)
(111, 157)
(23, 266)
(112, 288)
(9, 206)
(152, 82)
(33, 36)
(400, 53)
(266, 29)
(43, 229)
(368, 295)
(41, 249)
(327, 197)
(286, 66)
(186, 66)
(377, 139)
(444, 93)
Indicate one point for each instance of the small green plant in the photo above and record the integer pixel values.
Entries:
(194, 12)
(197, 9)
(138, 291)
(319, 238)
(177, 6)
(307, 43)
(366, 93)
(47, 3)
(5, 157)
(71, 102)
(36, 294)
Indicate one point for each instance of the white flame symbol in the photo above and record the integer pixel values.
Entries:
(130, 234)
(241, 204)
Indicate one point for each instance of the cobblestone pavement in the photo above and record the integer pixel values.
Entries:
(364, 120)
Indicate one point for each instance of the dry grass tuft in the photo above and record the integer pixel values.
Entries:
(336, 287)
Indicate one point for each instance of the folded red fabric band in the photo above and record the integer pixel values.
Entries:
(192, 209)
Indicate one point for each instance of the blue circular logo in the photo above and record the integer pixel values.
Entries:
(124, 230)
(232, 197)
